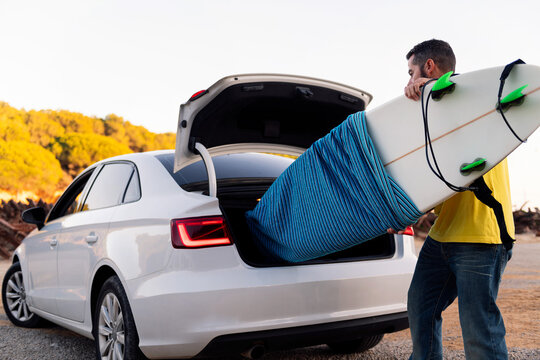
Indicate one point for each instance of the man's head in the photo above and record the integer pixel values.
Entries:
(430, 59)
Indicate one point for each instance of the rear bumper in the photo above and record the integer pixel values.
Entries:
(209, 294)
(301, 336)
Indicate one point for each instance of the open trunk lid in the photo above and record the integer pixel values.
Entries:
(262, 112)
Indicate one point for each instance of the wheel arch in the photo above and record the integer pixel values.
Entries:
(19, 255)
(101, 275)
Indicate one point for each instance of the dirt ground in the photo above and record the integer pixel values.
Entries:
(519, 300)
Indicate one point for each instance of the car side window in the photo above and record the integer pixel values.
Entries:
(74, 205)
(133, 191)
(70, 200)
(109, 187)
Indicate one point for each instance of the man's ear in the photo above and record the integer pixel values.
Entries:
(430, 68)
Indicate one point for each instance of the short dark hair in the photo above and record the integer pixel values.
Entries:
(437, 50)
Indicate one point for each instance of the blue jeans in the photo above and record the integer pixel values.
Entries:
(470, 272)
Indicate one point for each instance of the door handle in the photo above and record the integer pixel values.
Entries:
(53, 241)
(91, 238)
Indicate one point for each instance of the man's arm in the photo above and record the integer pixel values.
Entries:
(414, 90)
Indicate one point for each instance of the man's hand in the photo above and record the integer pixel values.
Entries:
(414, 89)
(394, 232)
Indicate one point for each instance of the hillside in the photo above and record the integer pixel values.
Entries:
(42, 151)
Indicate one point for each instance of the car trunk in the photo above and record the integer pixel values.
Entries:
(235, 200)
(260, 114)
(262, 110)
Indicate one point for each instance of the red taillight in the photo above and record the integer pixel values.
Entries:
(408, 231)
(197, 95)
(200, 232)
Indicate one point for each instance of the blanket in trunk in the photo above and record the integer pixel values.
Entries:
(334, 196)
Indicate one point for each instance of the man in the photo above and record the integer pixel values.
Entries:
(462, 256)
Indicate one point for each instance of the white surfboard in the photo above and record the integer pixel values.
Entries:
(464, 126)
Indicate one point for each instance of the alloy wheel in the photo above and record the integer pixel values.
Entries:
(111, 329)
(16, 298)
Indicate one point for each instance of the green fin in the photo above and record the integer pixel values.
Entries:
(478, 164)
(514, 95)
(443, 82)
(442, 87)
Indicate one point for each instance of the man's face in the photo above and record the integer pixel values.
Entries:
(415, 71)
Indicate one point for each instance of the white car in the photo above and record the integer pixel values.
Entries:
(150, 255)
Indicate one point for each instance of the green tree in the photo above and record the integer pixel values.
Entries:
(12, 127)
(165, 141)
(27, 166)
(76, 122)
(42, 129)
(115, 128)
(77, 151)
(13, 130)
(9, 112)
(140, 139)
(30, 140)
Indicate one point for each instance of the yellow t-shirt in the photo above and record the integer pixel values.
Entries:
(463, 218)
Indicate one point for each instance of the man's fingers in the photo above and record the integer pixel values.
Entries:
(414, 90)
(410, 92)
(406, 91)
(414, 93)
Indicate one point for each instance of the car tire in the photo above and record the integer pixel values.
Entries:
(14, 299)
(114, 326)
(356, 346)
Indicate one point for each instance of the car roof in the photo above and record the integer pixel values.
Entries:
(135, 156)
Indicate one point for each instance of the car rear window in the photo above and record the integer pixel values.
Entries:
(232, 166)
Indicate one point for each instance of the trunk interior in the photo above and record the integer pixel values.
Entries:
(273, 113)
(236, 200)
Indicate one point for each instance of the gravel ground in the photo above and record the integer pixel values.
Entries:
(519, 301)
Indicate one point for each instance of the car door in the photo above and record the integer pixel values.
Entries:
(41, 265)
(42, 247)
(82, 241)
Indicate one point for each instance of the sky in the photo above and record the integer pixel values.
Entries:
(142, 59)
